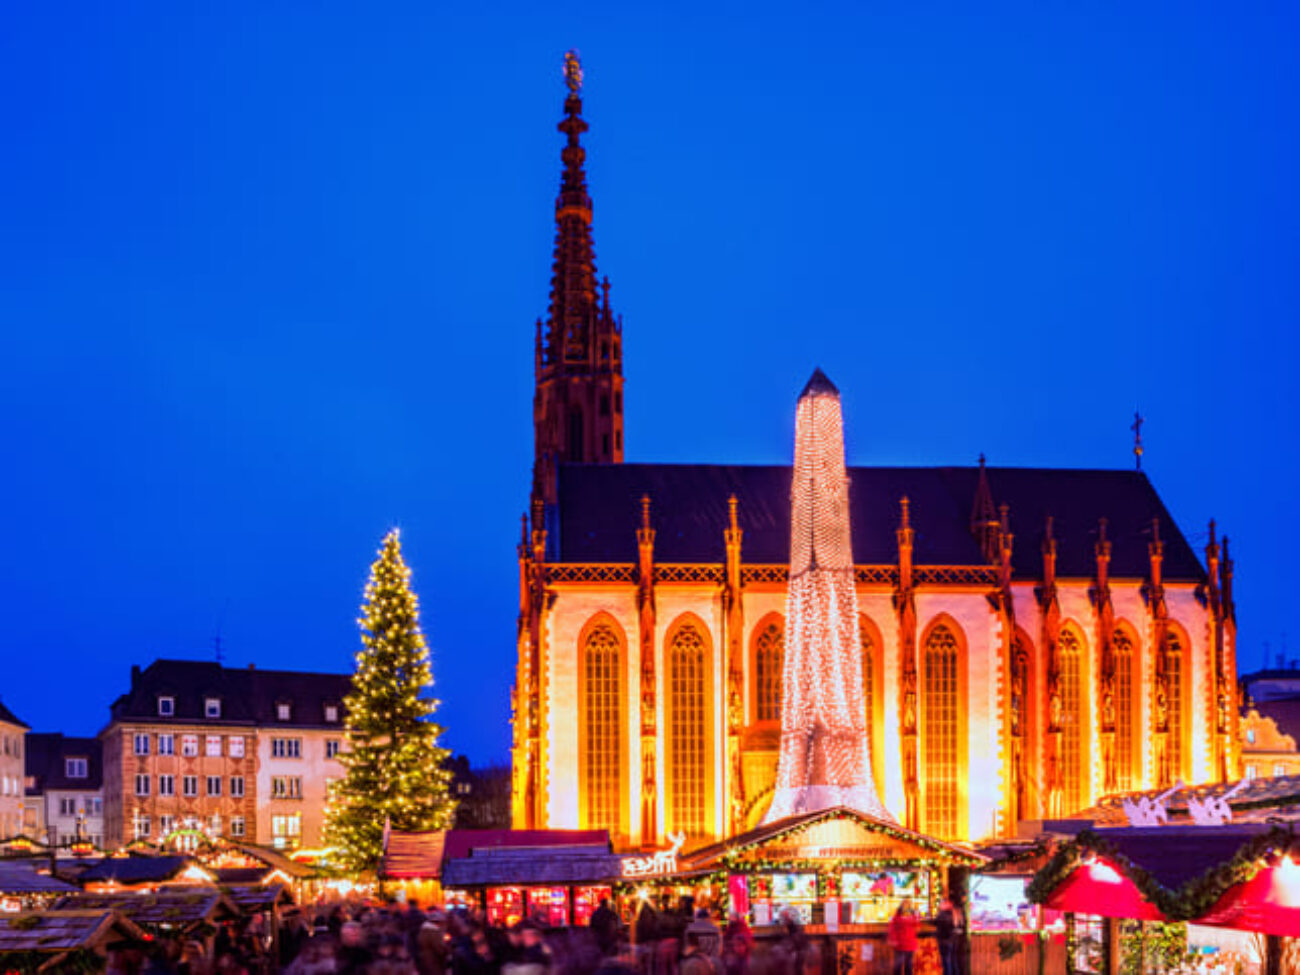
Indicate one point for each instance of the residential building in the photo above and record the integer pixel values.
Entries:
(64, 789)
(1269, 732)
(242, 753)
(12, 731)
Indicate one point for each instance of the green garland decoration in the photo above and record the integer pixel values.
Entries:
(1191, 900)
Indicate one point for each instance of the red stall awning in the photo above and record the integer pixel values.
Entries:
(1269, 902)
(1097, 887)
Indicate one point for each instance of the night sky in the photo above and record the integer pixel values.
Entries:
(269, 274)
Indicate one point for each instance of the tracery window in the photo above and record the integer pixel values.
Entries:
(687, 731)
(769, 658)
(1174, 673)
(869, 650)
(940, 728)
(1074, 769)
(602, 697)
(1124, 701)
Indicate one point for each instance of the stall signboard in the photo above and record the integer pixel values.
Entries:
(505, 905)
(550, 905)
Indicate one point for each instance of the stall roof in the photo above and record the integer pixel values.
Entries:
(256, 898)
(56, 932)
(21, 877)
(866, 826)
(1253, 800)
(503, 866)
(184, 907)
(276, 860)
(135, 870)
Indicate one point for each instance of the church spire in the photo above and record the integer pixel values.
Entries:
(578, 404)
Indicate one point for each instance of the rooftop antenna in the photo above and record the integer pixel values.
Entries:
(216, 638)
(1138, 419)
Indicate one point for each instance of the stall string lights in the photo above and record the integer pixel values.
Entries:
(824, 760)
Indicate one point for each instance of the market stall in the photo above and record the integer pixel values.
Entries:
(57, 941)
(190, 911)
(23, 887)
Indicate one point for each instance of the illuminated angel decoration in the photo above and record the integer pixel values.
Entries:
(573, 71)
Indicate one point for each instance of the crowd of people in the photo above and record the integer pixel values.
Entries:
(365, 939)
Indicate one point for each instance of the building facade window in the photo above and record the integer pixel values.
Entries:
(1174, 667)
(76, 768)
(1250, 772)
(214, 785)
(190, 785)
(141, 785)
(94, 805)
(687, 732)
(941, 733)
(1074, 767)
(212, 746)
(286, 828)
(286, 787)
(166, 785)
(1279, 769)
(212, 707)
(141, 827)
(331, 714)
(1125, 710)
(236, 825)
(142, 744)
(235, 746)
(67, 806)
(286, 748)
(167, 744)
(769, 656)
(166, 706)
(283, 712)
(237, 786)
(166, 824)
(190, 746)
(602, 730)
(331, 747)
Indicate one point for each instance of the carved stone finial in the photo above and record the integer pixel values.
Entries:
(573, 70)
(907, 512)
(731, 511)
(645, 511)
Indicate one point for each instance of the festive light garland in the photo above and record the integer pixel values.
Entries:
(825, 756)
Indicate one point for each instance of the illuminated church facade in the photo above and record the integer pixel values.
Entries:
(1032, 639)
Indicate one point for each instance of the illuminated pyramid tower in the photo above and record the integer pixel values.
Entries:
(824, 752)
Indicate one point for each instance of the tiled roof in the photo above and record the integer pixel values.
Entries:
(247, 695)
(254, 898)
(55, 932)
(424, 853)
(46, 752)
(9, 717)
(599, 510)
(504, 865)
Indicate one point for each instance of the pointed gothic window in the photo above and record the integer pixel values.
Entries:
(769, 658)
(602, 732)
(940, 728)
(1074, 766)
(1122, 643)
(1174, 667)
(688, 716)
(870, 658)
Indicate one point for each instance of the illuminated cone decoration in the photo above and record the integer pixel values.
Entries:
(825, 760)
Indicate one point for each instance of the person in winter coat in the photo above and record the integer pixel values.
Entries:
(903, 937)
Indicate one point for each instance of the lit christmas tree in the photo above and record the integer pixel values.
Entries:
(396, 770)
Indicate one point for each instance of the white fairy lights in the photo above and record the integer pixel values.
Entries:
(825, 754)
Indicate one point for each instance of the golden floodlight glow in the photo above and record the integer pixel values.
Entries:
(825, 760)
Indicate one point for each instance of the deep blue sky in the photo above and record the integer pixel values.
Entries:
(269, 272)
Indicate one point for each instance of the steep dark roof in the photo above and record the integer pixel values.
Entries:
(599, 509)
(8, 716)
(46, 768)
(248, 696)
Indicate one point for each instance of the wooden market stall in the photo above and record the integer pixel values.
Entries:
(52, 941)
(142, 873)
